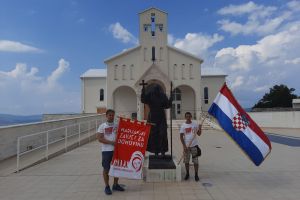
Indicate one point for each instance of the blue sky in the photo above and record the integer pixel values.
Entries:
(46, 45)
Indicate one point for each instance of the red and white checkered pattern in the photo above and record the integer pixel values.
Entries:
(238, 123)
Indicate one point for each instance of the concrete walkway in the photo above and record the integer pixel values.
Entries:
(225, 173)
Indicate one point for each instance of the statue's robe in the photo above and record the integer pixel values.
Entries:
(157, 102)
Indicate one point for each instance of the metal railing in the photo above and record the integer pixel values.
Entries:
(59, 138)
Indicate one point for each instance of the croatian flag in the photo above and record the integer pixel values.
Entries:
(241, 128)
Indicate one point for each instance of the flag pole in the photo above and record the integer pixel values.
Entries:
(171, 119)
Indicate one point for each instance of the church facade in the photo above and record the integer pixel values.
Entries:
(156, 63)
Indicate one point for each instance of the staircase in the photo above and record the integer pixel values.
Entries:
(209, 124)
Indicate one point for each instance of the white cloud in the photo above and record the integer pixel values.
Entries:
(13, 46)
(239, 80)
(197, 43)
(24, 92)
(293, 61)
(120, 33)
(270, 49)
(253, 69)
(294, 5)
(58, 72)
(247, 8)
(261, 20)
(263, 27)
(263, 88)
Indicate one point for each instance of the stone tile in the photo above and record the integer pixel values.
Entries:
(225, 173)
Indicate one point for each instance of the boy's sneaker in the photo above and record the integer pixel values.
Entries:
(196, 178)
(187, 177)
(117, 187)
(107, 190)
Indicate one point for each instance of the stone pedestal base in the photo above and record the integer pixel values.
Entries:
(161, 175)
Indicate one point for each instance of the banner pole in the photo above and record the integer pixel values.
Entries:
(171, 119)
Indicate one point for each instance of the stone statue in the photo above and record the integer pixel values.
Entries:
(157, 101)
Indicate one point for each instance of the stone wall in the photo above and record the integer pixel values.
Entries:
(48, 117)
(277, 119)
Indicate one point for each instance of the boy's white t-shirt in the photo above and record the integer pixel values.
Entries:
(110, 132)
(189, 130)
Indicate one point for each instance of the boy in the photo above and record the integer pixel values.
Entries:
(106, 134)
(187, 137)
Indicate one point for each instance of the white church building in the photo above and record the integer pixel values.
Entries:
(154, 61)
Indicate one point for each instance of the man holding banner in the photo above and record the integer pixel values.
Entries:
(130, 148)
(106, 135)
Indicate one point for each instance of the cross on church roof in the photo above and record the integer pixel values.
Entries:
(143, 83)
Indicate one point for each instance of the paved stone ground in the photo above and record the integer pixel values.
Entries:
(225, 173)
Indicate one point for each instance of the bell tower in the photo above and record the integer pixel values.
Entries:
(153, 34)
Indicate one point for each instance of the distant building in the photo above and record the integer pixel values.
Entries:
(154, 61)
(296, 103)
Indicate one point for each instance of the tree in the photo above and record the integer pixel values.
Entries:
(279, 96)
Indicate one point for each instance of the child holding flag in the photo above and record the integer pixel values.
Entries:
(189, 142)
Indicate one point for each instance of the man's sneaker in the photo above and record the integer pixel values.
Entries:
(117, 187)
(107, 190)
(187, 177)
(196, 178)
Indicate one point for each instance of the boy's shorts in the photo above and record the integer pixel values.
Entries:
(106, 159)
(187, 155)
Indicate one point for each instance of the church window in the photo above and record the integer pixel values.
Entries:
(131, 71)
(101, 94)
(116, 72)
(206, 95)
(182, 71)
(178, 109)
(145, 27)
(160, 26)
(175, 72)
(191, 71)
(123, 71)
(152, 24)
(176, 94)
(153, 54)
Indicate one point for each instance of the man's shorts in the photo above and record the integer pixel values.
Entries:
(192, 151)
(106, 159)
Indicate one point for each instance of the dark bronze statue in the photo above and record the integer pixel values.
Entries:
(157, 101)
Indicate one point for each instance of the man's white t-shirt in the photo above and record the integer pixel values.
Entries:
(110, 131)
(189, 130)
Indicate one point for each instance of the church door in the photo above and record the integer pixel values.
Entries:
(176, 105)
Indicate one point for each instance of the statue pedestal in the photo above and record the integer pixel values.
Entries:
(161, 169)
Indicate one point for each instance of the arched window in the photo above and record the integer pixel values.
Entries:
(153, 54)
(182, 71)
(146, 27)
(116, 72)
(206, 95)
(131, 72)
(191, 71)
(123, 72)
(101, 94)
(175, 72)
(176, 94)
(176, 105)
